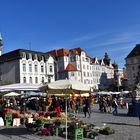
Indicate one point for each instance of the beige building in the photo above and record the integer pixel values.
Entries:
(76, 64)
(133, 66)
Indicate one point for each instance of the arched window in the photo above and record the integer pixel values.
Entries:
(35, 67)
(30, 80)
(42, 79)
(42, 68)
(30, 67)
(24, 55)
(24, 79)
(24, 67)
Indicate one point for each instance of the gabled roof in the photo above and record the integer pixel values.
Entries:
(134, 52)
(71, 67)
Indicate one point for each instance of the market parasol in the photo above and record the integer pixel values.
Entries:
(11, 94)
(65, 86)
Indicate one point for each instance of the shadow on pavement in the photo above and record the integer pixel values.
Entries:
(116, 123)
(14, 131)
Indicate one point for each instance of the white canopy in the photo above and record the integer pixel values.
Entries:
(103, 93)
(66, 84)
(20, 87)
(32, 93)
(11, 94)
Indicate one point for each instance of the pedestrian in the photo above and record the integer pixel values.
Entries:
(104, 104)
(115, 106)
(86, 106)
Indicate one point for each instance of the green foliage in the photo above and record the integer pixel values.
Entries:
(103, 88)
(107, 130)
(129, 87)
(5, 83)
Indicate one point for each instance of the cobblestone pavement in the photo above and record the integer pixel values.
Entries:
(126, 128)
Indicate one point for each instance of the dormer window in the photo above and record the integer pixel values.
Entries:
(42, 57)
(24, 55)
(30, 56)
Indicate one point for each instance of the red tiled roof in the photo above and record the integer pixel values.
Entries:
(70, 67)
(60, 52)
(77, 50)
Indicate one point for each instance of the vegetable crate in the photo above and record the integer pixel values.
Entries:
(77, 134)
(8, 119)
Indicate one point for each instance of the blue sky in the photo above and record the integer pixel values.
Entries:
(97, 26)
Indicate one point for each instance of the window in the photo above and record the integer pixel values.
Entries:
(24, 55)
(83, 66)
(74, 58)
(24, 79)
(24, 67)
(36, 56)
(36, 80)
(72, 73)
(87, 67)
(30, 67)
(71, 59)
(78, 65)
(83, 58)
(35, 67)
(42, 69)
(42, 79)
(49, 79)
(30, 80)
(42, 57)
(84, 73)
(51, 69)
(30, 56)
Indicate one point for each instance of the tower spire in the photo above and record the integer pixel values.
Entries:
(1, 44)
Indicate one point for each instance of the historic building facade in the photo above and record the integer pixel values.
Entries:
(26, 66)
(76, 64)
(133, 66)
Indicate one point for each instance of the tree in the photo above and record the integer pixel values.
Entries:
(103, 88)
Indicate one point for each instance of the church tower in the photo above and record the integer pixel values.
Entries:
(1, 44)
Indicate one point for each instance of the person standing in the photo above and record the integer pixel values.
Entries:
(86, 106)
(115, 106)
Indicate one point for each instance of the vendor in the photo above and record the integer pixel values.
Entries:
(56, 105)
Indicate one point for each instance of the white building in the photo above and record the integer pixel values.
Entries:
(25, 66)
(76, 64)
